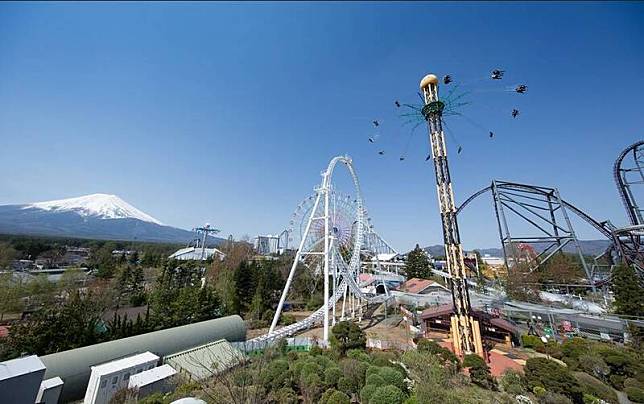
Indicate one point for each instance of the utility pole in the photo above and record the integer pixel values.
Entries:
(466, 333)
(205, 230)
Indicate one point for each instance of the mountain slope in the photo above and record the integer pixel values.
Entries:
(97, 216)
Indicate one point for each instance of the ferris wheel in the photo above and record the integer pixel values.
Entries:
(344, 219)
(329, 230)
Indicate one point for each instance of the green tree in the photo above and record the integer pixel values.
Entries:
(417, 265)
(628, 290)
(7, 255)
(58, 327)
(387, 394)
(347, 335)
(10, 296)
(548, 374)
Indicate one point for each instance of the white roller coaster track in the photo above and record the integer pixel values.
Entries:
(346, 273)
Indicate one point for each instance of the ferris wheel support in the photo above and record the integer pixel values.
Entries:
(329, 250)
(298, 254)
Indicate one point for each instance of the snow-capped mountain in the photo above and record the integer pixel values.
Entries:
(100, 205)
(98, 216)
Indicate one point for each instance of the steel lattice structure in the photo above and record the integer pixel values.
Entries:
(628, 172)
(546, 213)
(466, 334)
(333, 234)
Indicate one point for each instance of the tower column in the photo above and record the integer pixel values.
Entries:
(466, 334)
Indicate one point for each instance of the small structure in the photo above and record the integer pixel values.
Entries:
(267, 245)
(438, 319)
(49, 391)
(419, 286)
(155, 380)
(20, 379)
(108, 378)
(206, 360)
(197, 254)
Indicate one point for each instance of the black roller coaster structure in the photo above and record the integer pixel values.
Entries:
(542, 210)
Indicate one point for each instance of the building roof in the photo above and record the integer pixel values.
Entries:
(384, 257)
(20, 366)
(448, 309)
(437, 311)
(192, 253)
(151, 376)
(206, 360)
(124, 363)
(417, 285)
(51, 383)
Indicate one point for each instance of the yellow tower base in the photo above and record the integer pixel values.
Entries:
(476, 331)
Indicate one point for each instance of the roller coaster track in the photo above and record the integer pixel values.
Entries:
(633, 211)
(347, 282)
(606, 227)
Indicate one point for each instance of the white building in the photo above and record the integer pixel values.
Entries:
(494, 262)
(20, 379)
(267, 245)
(152, 381)
(110, 377)
(49, 391)
(197, 254)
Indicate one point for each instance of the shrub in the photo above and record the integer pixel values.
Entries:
(310, 386)
(332, 375)
(593, 365)
(542, 372)
(617, 381)
(575, 347)
(376, 380)
(393, 377)
(286, 395)
(354, 370)
(428, 345)
(473, 360)
(635, 394)
(315, 350)
(359, 354)
(387, 395)
(347, 335)
(631, 382)
(411, 400)
(595, 387)
(380, 358)
(531, 341)
(345, 385)
(554, 398)
(513, 382)
(447, 356)
(276, 375)
(367, 391)
(338, 397)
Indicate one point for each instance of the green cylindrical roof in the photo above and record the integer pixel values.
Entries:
(74, 366)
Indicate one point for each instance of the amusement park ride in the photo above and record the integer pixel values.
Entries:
(334, 236)
(466, 333)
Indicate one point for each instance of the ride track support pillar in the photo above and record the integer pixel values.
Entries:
(465, 330)
(325, 189)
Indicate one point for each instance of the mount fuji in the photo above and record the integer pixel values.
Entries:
(97, 216)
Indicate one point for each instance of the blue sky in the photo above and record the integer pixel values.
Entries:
(227, 113)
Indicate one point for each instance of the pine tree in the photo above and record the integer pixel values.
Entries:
(628, 290)
(418, 264)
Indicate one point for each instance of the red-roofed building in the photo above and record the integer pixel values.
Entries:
(422, 286)
(492, 328)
